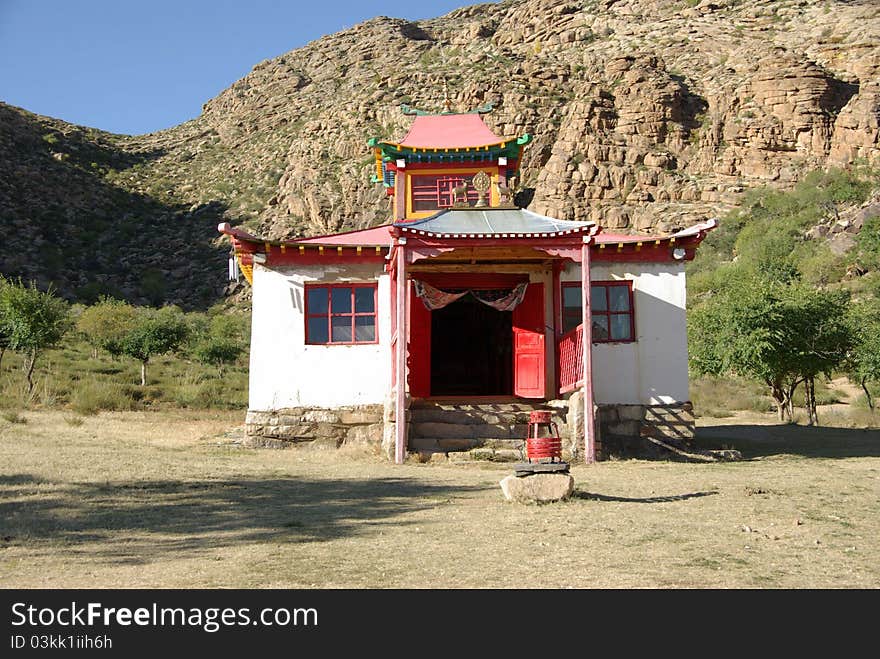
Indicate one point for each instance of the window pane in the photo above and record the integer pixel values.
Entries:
(619, 298)
(341, 300)
(597, 298)
(365, 328)
(570, 320)
(341, 327)
(364, 300)
(600, 328)
(316, 300)
(571, 297)
(318, 330)
(620, 327)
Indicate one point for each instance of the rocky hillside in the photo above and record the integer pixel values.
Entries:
(647, 114)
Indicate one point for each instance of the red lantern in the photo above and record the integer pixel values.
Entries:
(542, 441)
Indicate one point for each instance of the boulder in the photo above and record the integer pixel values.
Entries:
(537, 488)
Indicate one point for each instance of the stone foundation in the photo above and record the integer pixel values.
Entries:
(361, 425)
(622, 430)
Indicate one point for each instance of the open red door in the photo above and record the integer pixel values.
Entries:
(419, 359)
(528, 344)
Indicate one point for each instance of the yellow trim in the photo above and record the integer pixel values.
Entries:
(493, 188)
(302, 249)
(339, 250)
(321, 250)
(246, 270)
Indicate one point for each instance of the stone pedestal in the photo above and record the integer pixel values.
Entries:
(538, 488)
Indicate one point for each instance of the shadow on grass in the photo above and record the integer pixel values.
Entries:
(755, 441)
(662, 499)
(135, 522)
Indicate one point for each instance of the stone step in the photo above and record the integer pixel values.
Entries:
(474, 455)
(456, 444)
(472, 431)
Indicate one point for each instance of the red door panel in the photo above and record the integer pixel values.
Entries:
(419, 349)
(528, 344)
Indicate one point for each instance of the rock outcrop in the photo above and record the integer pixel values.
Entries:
(647, 114)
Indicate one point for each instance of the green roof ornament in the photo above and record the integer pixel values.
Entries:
(485, 108)
(411, 111)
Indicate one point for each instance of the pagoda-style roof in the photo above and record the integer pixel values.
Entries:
(450, 131)
(447, 138)
(492, 223)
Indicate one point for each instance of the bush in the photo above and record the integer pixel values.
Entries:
(93, 396)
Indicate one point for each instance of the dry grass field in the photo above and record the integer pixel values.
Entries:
(170, 499)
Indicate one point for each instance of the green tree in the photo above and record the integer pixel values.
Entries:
(782, 335)
(35, 321)
(819, 336)
(217, 351)
(155, 332)
(105, 324)
(219, 340)
(863, 361)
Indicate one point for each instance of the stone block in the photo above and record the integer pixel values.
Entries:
(537, 488)
(360, 415)
(320, 416)
(456, 444)
(491, 431)
(442, 430)
(363, 435)
(482, 454)
(388, 440)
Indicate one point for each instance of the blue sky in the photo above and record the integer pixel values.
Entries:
(137, 66)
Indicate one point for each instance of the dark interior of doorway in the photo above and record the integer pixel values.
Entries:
(471, 350)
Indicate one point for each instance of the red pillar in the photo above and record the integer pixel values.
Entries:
(400, 365)
(587, 320)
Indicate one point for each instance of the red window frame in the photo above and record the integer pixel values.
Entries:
(607, 312)
(353, 314)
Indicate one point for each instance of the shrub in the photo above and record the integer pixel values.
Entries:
(92, 396)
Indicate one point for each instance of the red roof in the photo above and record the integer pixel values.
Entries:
(449, 131)
(376, 237)
(697, 229)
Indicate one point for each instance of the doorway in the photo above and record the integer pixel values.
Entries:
(471, 350)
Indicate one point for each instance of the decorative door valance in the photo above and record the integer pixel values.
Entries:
(501, 299)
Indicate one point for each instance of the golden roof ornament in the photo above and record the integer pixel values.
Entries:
(447, 104)
(481, 182)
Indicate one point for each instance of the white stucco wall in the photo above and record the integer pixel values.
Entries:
(284, 372)
(653, 369)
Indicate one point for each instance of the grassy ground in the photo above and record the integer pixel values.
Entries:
(71, 378)
(169, 499)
